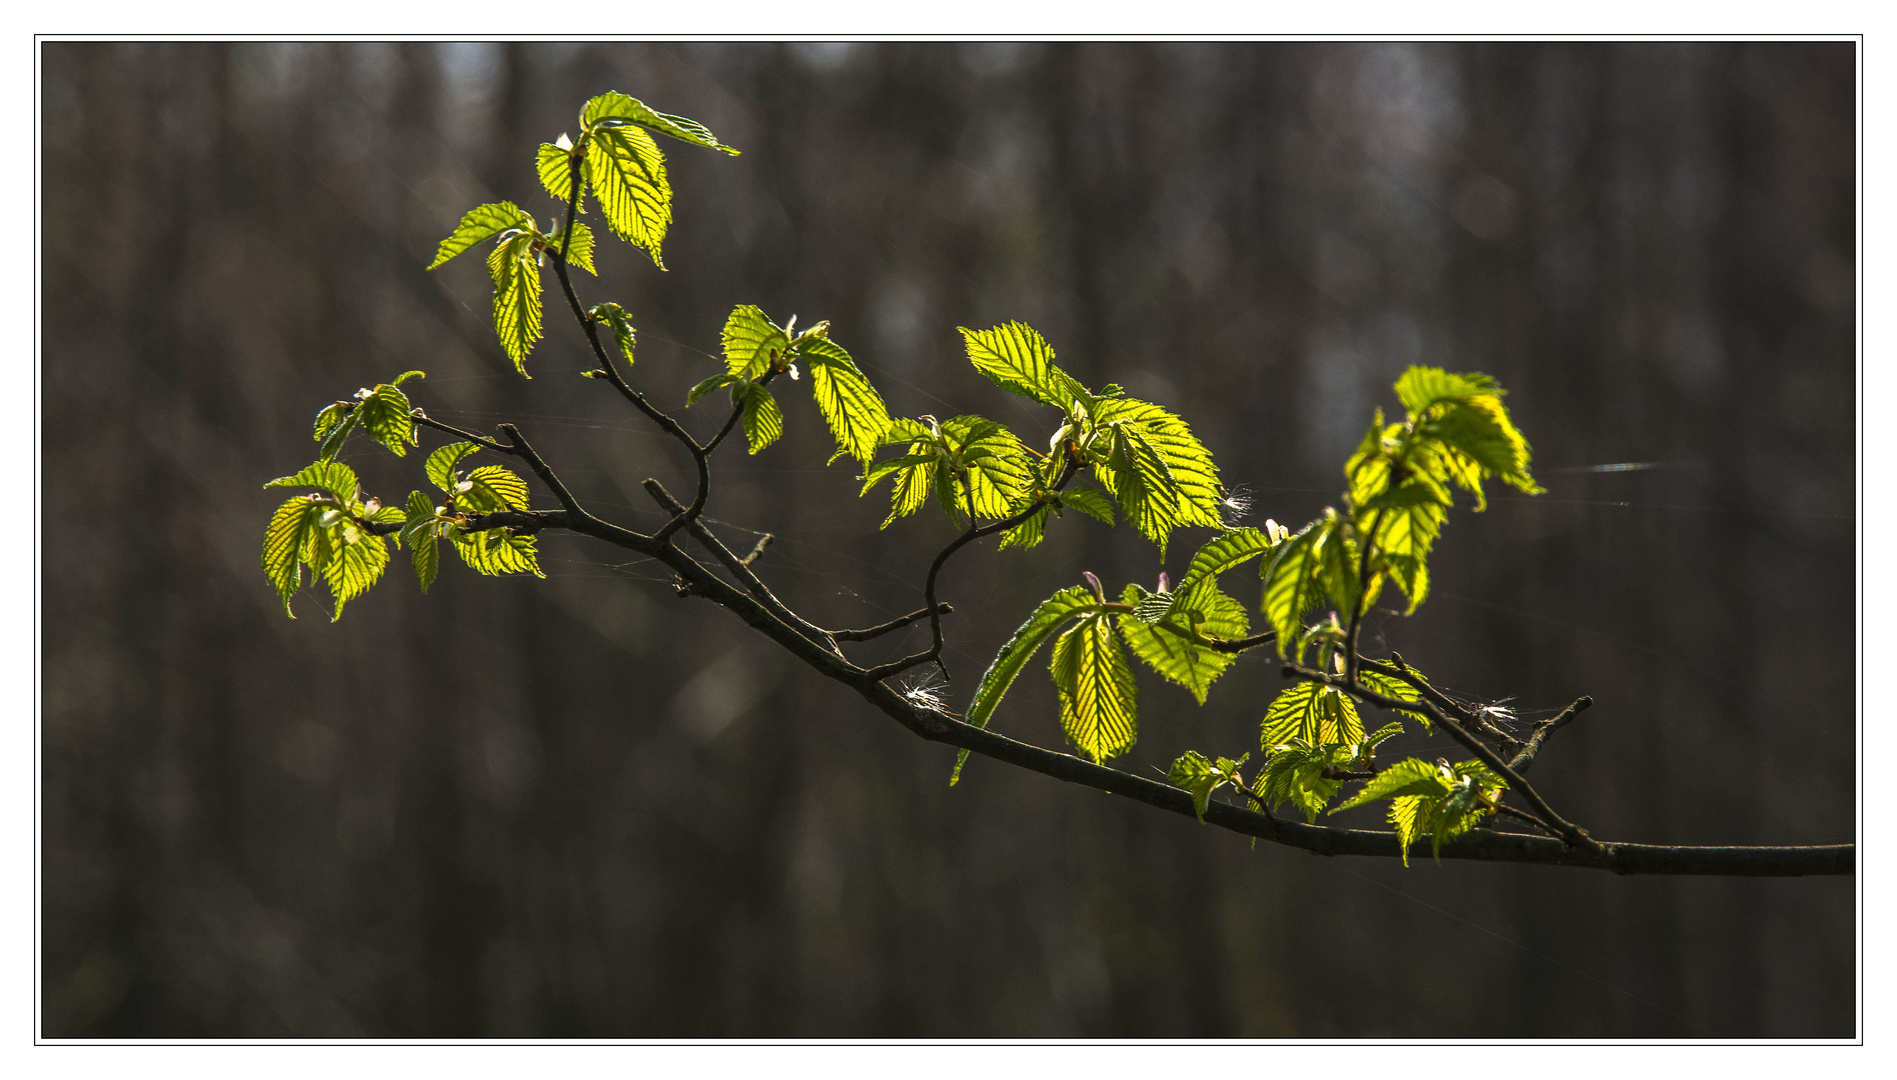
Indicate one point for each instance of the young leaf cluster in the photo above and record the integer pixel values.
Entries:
(758, 351)
(1441, 801)
(330, 531)
(617, 159)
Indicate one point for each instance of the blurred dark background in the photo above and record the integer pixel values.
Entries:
(583, 807)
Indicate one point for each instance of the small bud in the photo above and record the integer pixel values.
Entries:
(464, 486)
(563, 142)
(371, 507)
(329, 517)
(793, 373)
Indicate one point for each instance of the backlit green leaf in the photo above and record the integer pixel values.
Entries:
(1099, 701)
(557, 174)
(1019, 360)
(440, 466)
(1294, 772)
(492, 489)
(516, 271)
(763, 420)
(1094, 504)
(627, 174)
(580, 252)
(356, 561)
(1318, 714)
(706, 386)
(1167, 648)
(1020, 648)
(1226, 551)
(1185, 491)
(496, 551)
(477, 225)
(333, 477)
(286, 543)
(614, 105)
(1293, 587)
(851, 407)
(1028, 534)
(1411, 776)
(752, 342)
(419, 533)
(386, 416)
(615, 317)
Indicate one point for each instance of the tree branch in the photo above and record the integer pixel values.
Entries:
(1570, 833)
(740, 568)
(1546, 728)
(934, 652)
(891, 625)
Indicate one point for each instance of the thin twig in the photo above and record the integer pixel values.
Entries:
(891, 625)
(1546, 728)
(934, 652)
(1570, 833)
(740, 568)
(479, 440)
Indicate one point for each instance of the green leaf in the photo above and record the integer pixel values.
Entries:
(1028, 534)
(419, 533)
(706, 386)
(1368, 470)
(1481, 430)
(491, 489)
(1295, 772)
(1167, 649)
(763, 420)
(1407, 520)
(752, 342)
(387, 417)
(1224, 552)
(626, 171)
(904, 430)
(1099, 702)
(615, 316)
(1395, 688)
(496, 552)
(1319, 715)
(490, 219)
(1137, 476)
(333, 426)
(1015, 655)
(1020, 648)
(851, 407)
(1194, 773)
(1292, 585)
(440, 466)
(1421, 388)
(999, 471)
(556, 174)
(1094, 504)
(1340, 571)
(356, 561)
(580, 252)
(515, 267)
(333, 477)
(1406, 814)
(1019, 360)
(1411, 776)
(1173, 480)
(286, 543)
(614, 105)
